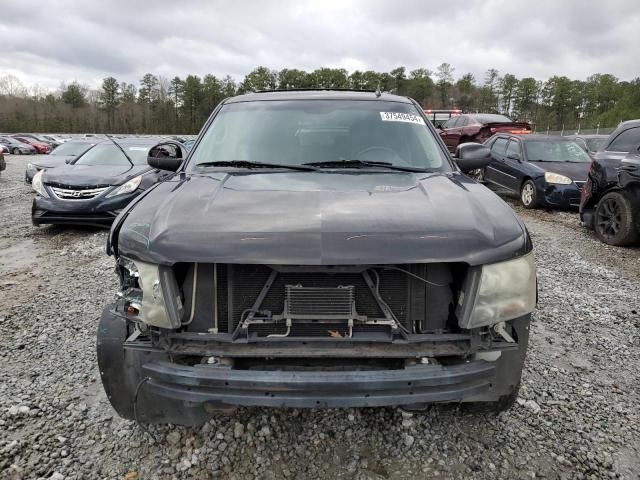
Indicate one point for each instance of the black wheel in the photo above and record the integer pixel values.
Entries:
(528, 195)
(614, 220)
(16, 151)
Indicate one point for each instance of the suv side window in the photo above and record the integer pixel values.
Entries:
(499, 145)
(513, 149)
(626, 141)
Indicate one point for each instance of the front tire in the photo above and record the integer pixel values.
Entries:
(16, 151)
(528, 195)
(614, 220)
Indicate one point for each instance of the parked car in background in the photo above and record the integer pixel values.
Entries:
(319, 250)
(3, 162)
(603, 174)
(16, 147)
(56, 138)
(590, 143)
(478, 127)
(40, 138)
(62, 155)
(95, 187)
(543, 170)
(4, 148)
(439, 117)
(40, 147)
(188, 144)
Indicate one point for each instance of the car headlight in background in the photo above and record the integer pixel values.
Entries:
(556, 178)
(38, 186)
(127, 187)
(507, 290)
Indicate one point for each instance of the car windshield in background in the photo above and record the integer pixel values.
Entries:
(491, 118)
(594, 144)
(551, 151)
(109, 154)
(297, 132)
(72, 148)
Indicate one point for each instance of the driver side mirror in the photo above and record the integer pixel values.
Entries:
(165, 156)
(472, 156)
(69, 160)
(514, 156)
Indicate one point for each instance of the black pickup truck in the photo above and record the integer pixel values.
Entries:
(316, 249)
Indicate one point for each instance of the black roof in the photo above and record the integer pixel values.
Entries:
(317, 95)
(629, 123)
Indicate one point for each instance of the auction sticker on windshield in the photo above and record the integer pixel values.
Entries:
(401, 117)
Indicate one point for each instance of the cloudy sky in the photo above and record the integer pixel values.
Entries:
(56, 41)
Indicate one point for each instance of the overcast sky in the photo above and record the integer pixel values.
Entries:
(56, 41)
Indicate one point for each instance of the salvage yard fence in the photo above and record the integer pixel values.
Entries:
(584, 131)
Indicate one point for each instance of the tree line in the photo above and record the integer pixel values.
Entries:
(181, 105)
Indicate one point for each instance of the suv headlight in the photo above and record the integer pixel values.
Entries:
(556, 178)
(507, 290)
(127, 187)
(161, 305)
(38, 186)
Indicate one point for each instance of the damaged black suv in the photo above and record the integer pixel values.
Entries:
(316, 249)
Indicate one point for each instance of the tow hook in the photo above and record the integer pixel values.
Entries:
(499, 329)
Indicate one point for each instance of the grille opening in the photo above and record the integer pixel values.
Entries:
(419, 306)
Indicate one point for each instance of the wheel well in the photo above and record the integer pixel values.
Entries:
(524, 180)
(634, 190)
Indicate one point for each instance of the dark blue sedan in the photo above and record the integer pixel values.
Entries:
(543, 170)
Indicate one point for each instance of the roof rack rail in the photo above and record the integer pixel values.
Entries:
(315, 89)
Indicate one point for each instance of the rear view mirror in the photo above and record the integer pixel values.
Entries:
(472, 156)
(166, 156)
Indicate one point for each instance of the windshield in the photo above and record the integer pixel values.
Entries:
(551, 151)
(72, 148)
(109, 154)
(302, 131)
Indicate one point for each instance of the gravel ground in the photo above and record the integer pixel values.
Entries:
(576, 417)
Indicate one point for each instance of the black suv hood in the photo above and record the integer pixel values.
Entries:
(92, 175)
(321, 219)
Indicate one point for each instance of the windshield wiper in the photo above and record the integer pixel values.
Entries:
(121, 149)
(249, 164)
(363, 163)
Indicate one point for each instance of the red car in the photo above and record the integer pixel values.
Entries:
(39, 146)
(478, 127)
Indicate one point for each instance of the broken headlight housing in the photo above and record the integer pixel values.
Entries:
(506, 290)
(161, 304)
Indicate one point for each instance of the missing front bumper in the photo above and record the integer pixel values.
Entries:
(224, 386)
